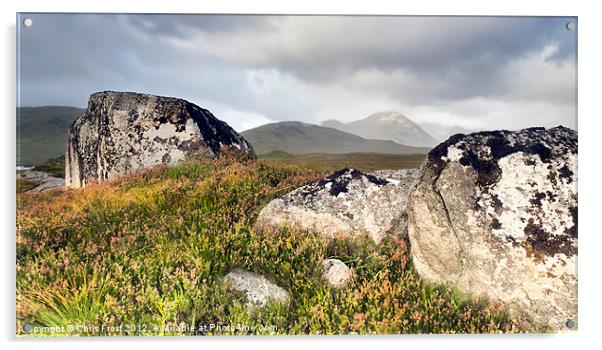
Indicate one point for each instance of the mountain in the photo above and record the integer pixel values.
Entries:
(42, 132)
(302, 138)
(392, 126)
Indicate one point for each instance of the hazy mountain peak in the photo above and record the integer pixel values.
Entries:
(387, 125)
(389, 115)
(394, 117)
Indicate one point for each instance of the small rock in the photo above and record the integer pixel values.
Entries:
(344, 205)
(335, 272)
(257, 288)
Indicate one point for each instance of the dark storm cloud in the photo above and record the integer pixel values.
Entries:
(65, 58)
(460, 56)
(304, 67)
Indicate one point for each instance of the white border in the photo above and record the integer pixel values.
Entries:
(589, 161)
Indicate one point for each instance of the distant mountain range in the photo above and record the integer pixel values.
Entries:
(392, 126)
(42, 132)
(301, 138)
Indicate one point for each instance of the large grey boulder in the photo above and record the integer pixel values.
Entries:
(346, 204)
(121, 132)
(258, 289)
(495, 214)
(44, 181)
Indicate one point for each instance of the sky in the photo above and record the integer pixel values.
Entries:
(476, 73)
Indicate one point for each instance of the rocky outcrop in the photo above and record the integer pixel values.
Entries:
(121, 132)
(346, 204)
(258, 289)
(44, 181)
(336, 273)
(495, 214)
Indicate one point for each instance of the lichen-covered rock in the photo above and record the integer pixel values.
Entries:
(336, 273)
(345, 205)
(257, 288)
(121, 132)
(495, 213)
(44, 181)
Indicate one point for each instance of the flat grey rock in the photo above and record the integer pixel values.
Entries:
(45, 182)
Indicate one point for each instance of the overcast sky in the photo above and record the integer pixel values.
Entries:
(472, 72)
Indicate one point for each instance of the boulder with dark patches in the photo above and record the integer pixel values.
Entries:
(495, 214)
(121, 132)
(346, 204)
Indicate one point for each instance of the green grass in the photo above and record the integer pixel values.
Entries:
(147, 253)
(360, 161)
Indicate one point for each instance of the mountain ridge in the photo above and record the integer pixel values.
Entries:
(301, 138)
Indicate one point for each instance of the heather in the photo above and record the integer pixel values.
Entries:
(145, 254)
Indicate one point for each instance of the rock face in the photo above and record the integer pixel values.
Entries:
(45, 182)
(121, 132)
(495, 213)
(346, 204)
(257, 288)
(335, 272)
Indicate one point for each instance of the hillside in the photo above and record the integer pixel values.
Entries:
(42, 132)
(360, 161)
(152, 250)
(301, 138)
(386, 126)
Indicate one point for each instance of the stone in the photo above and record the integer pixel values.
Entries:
(336, 273)
(121, 132)
(44, 180)
(495, 214)
(346, 204)
(257, 288)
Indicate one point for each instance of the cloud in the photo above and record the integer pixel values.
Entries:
(467, 71)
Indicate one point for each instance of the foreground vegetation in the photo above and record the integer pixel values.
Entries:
(145, 256)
